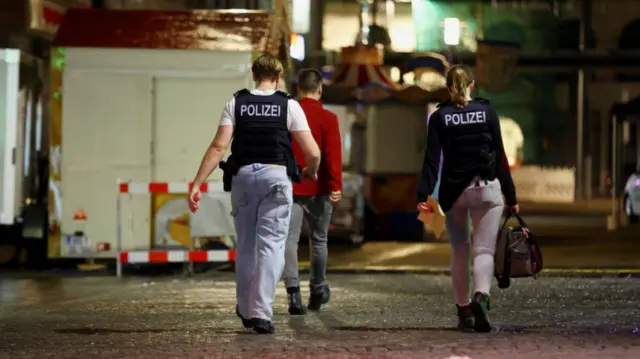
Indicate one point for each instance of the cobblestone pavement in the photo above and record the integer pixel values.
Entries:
(370, 316)
(579, 255)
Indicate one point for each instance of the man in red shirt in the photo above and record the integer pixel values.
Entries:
(313, 201)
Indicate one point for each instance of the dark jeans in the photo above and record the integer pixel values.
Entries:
(316, 210)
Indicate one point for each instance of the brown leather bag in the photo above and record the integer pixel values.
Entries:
(517, 253)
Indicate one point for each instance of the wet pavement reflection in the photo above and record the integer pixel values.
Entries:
(370, 316)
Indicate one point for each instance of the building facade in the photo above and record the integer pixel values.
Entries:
(544, 103)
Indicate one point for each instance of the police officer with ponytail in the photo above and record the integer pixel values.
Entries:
(475, 176)
(262, 123)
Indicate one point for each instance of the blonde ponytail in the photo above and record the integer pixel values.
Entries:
(459, 80)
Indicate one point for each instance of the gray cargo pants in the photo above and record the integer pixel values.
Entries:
(317, 212)
(261, 199)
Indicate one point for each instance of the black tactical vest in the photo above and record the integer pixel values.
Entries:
(261, 134)
(466, 141)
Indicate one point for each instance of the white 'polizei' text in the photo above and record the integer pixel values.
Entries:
(465, 118)
(260, 110)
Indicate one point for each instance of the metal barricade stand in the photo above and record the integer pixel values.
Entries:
(189, 255)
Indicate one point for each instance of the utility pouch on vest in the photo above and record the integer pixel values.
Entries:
(229, 169)
(293, 170)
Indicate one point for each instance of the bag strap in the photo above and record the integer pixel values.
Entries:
(506, 264)
(506, 219)
(511, 214)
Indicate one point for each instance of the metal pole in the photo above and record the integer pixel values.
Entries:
(317, 26)
(614, 174)
(313, 39)
(118, 234)
(605, 138)
(637, 144)
(580, 135)
(191, 248)
(364, 23)
(479, 10)
(585, 25)
(588, 177)
(479, 21)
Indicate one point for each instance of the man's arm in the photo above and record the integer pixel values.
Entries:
(429, 174)
(301, 133)
(332, 148)
(218, 146)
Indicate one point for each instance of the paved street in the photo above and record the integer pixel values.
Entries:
(583, 255)
(590, 249)
(370, 316)
(595, 205)
(573, 238)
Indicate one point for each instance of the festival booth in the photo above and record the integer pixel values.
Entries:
(383, 128)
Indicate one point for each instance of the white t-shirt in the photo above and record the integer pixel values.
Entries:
(296, 119)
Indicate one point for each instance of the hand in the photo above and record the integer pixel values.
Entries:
(310, 175)
(194, 199)
(335, 196)
(424, 207)
(514, 209)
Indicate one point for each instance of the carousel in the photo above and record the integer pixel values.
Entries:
(383, 129)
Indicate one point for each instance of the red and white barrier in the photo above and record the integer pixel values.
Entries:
(166, 187)
(166, 256)
(177, 256)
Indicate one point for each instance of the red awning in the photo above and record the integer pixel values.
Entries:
(198, 29)
(358, 75)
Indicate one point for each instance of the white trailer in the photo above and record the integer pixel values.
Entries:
(9, 87)
(140, 112)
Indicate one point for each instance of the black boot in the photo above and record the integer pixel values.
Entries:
(480, 306)
(263, 326)
(295, 301)
(318, 297)
(245, 322)
(465, 318)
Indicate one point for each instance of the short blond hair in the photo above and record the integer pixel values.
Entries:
(267, 67)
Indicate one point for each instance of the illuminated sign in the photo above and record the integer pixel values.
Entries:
(513, 139)
(452, 31)
(296, 49)
(301, 16)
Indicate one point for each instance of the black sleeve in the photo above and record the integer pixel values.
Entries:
(429, 174)
(502, 163)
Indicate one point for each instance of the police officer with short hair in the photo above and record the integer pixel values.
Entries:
(262, 122)
(475, 175)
